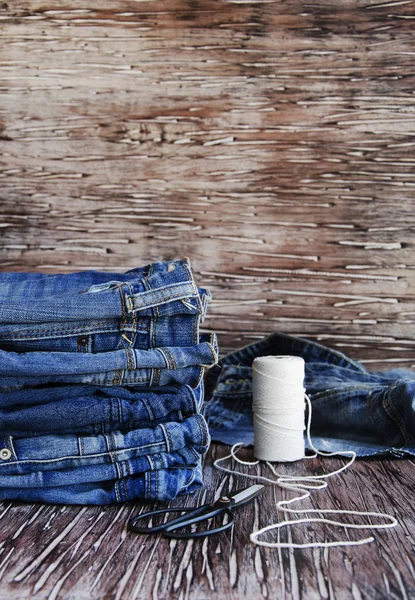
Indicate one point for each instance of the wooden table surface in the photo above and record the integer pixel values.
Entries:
(86, 552)
(270, 141)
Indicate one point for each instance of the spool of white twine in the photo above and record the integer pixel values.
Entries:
(278, 404)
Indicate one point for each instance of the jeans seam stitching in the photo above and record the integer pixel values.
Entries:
(166, 437)
(81, 446)
(170, 357)
(80, 456)
(395, 416)
(10, 446)
(117, 494)
(74, 331)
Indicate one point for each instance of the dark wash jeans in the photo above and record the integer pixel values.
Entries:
(156, 366)
(157, 290)
(87, 409)
(162, 484)
(135, 328)
(187, 457)
(352, 409)
(157, 462)
(69, 458)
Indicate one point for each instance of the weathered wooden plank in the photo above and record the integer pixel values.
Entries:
(269, 141)
(80, 552)
(273, 144)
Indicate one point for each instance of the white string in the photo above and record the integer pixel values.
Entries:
(304, 484)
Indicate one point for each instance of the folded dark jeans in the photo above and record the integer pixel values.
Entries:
(70, 451)
(187, 457)
(102, 335)
(156, 366)
(101, 384)
(157, 290)
(163, 484)
(93, 410)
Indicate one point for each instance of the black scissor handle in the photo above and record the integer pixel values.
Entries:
(171, 527)
(137, 529)
(194, 515)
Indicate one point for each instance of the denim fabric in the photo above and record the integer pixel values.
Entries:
(102, 335)
(352, 409)
(157, 366)
(91, 410)
(140, 378)
(163, 484)
(160, 290)
(101, 384)
(186, 457)
(68, 451)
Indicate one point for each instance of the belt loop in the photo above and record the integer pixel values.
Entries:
(162, 295)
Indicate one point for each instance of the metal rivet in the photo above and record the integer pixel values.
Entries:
(5, 454)
(171, 267)
(83, 340)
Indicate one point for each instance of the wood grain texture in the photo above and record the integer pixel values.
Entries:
(270, 141)
(50, 551)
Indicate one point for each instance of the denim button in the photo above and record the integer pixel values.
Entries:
(5, 454)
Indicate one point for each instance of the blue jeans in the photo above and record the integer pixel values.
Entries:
(135, 328)
(92, 410)
(101, 386)
(157, 290)
(187, 457)
(59, 453)
(157, 366)
(163, 484)
(156, 464)
(352, 409)
(101, 335)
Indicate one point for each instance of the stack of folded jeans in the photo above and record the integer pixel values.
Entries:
(101, 384)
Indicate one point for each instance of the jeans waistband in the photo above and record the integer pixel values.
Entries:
(26, 298)
(103, 335)
(139, 378)
(185, 457)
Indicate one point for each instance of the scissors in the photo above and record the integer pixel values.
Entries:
(225, 505)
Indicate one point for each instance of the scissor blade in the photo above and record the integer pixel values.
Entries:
(247, 495)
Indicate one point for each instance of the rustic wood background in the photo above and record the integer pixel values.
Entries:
(270, 141)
